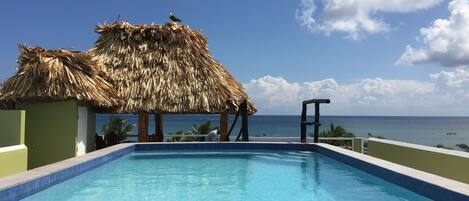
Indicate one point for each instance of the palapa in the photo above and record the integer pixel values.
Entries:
(166, 69)
(56, 75)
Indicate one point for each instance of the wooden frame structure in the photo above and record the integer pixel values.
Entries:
(143, 128)
(224, 133)
(316, 123)
(244, 131)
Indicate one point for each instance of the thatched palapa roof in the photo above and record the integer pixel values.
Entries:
(55, 75)
(3, 104)
(166, 69)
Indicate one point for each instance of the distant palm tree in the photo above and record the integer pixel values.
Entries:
(442, 146)
(117, 129)
(188, 136)
(181, 136)
(464, 147)
(202, 129)
(336, 131)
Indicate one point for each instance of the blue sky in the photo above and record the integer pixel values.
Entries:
(354, 53)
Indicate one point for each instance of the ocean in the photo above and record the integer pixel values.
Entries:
(420, 130)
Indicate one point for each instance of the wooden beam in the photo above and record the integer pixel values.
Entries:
(303, 122)
(316, 123)
(244, 126)
(142, 126)
(224, 126)
(158, 137)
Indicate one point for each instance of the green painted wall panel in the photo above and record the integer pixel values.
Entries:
(12, 124)
(453, 166)
(357, 145)
(13, 159)
(51, 130)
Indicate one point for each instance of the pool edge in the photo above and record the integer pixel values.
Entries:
(24, 184)
(432, 186)
(19, 186)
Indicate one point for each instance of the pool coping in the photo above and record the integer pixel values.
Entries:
(24, 184)
(424, 183)
(423, 147)
(21, 185)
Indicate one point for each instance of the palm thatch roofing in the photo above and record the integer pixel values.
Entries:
(56, 75)
(3, 104)
(166, 69)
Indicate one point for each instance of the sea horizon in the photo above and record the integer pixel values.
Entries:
(424, 130)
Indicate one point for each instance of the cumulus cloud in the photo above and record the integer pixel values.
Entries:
(274, 91)
(354, 17)
(445, 42)
(443, 94)
(456, 78)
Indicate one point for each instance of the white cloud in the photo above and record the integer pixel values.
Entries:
(456, 78)
(274, 91)
(354, 17)
(444, 94)
(445, 42)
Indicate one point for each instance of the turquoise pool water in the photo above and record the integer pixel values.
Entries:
(226, 176)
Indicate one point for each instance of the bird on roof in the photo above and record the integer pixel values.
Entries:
(174, 18)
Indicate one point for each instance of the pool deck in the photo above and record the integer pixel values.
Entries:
(435, 187)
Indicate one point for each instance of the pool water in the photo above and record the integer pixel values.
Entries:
(226, 176)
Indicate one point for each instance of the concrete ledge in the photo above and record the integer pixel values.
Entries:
(429, 185)
(423, 147)
(12, 148)
(446, 163)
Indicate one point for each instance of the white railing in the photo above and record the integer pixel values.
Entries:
(188, 135)
(352, 145)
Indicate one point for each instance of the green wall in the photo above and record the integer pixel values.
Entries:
(12, 127)
(51, 130)
(13, 152)
(13, 159)
(445, 163)
(357, 145)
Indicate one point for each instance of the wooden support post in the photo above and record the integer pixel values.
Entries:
(244, 120)
(316, 123)
(224, 127)
(142, 126)
(158, 137)
(303, 123)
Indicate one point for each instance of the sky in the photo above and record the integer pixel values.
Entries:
(370, 57)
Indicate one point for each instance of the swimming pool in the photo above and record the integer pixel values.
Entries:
(238, 172)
